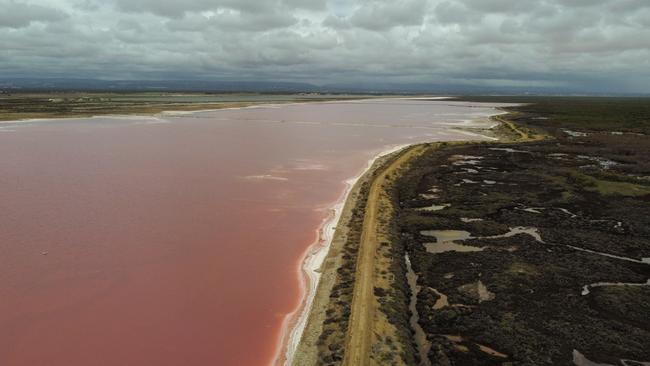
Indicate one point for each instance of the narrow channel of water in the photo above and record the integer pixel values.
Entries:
(586, 288)
(421, 341)
(642, 261)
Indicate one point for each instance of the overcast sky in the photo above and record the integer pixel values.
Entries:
(602, 45)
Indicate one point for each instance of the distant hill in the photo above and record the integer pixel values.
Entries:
(153, 85)
(377, 87)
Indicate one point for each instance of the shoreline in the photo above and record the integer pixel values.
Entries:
(157, 115)
(311, 263)
(178, 113)
(161, 114)
(298, 324)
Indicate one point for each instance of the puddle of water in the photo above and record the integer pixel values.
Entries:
(447, 235)
(432, 193)
(574, 133)
(450, 247)
(483, 293)
(434, 207)
(442, 301)
(507, 149)
(456, 339)
(532, 231)
(538, 210)
(586, 288)
(445, 241)
(461, 348)
(535, 210)
(453, 338)
(467, 219)
(428, 196)
(567, 212)
(603, 162)
(465, 159)
(642, 261)
(491, 351)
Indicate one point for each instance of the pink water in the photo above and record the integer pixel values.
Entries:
(175, 241)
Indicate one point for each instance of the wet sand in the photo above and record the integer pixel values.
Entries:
(180, 239)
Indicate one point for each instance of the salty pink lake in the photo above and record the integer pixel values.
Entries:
(176, 240)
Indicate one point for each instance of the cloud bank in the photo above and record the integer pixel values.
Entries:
(598, 45)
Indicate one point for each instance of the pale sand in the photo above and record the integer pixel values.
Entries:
(137, 117)
(302, 327)
(174, 113)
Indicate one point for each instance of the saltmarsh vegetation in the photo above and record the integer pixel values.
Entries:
(585, 191)
(521, 300)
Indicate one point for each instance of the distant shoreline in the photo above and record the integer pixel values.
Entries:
(155, 112)
(40, 107)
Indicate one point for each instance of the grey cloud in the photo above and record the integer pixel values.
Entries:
(501, 6)
(19, 14)
(335, 22)
(488, 42)
(305, 4)
(166, 8)
(233, 21)
(177, 9)
(382, 15)
(255, 22)
(454, 12)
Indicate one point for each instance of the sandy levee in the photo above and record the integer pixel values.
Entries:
(302, 327)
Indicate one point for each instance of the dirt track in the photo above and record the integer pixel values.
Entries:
(359, 335)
